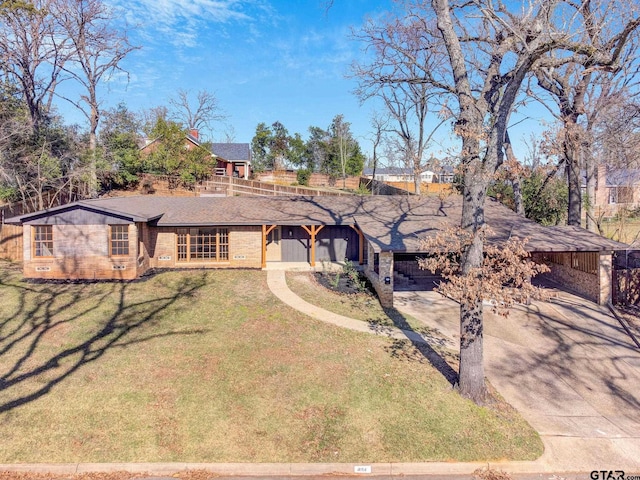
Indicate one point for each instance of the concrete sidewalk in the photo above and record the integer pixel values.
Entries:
(278, 285)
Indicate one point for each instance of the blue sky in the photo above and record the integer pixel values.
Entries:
(265, 60)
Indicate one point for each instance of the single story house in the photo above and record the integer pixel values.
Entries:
(405, 175)
(123, 237)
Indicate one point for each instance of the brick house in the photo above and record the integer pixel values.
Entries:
(123, 237)
(232, 159)
(616, 189)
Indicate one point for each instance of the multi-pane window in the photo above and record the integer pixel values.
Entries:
(202, 244)
(119, 240)
(43, 240)
(620, 195)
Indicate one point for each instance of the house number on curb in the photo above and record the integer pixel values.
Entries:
(362, 469)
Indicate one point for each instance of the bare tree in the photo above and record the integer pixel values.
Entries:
(397, 51)
(574, 86)
(342, 140)
(149, 118)
(97, 47)
(199, 114)
(32, 52)
(378, 128)
(483, 52)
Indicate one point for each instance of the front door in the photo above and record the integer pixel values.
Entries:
(274, 245)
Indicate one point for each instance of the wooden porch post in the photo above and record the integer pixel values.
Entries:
(313, 231)
(360, 244)
(265, 231)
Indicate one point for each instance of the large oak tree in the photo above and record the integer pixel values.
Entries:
(486, 51)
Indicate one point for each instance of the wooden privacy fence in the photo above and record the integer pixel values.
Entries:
(284, 177)
(582, 261)
(10, 235)
(231, 186)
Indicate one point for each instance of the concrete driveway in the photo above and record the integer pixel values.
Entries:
(567, 366)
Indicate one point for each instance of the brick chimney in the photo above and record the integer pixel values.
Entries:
(194, 133)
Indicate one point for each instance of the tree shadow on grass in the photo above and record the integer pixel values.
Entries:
(32, 370)
(418, 345)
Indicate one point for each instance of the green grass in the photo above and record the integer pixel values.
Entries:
(359, 306)
(211, 367)
(626, 230)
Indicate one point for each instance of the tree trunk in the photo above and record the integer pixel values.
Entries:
(93, 168)
(517, 196)
(471, 376)
(514, 165)
(93, 145)
(574, 181)
(590, 200)
(417, 183)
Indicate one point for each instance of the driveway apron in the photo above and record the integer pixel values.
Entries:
(567, 366)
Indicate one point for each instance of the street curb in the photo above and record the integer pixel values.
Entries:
(286, 469)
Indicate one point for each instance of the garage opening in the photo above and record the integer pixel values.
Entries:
(575, 272)
(408, 276)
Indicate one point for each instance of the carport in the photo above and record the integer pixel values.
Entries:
(580, 261)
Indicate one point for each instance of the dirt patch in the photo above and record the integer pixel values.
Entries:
(187, 475)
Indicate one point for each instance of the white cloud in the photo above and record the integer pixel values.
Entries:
(180, 21)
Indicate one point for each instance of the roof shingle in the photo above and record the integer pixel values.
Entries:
(390, 223)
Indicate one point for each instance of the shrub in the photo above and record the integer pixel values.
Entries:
(303, 176)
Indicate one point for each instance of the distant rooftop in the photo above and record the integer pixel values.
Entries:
(232, 151)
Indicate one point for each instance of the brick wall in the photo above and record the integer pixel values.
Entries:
(80, 252)
(245, 249)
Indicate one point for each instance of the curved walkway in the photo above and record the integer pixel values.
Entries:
(566, 366)
(278, 286)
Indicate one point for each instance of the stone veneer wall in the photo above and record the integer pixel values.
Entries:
(595, 287)
(385, 269)
(605, 271)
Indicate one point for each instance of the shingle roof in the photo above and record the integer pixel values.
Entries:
(398, 223)
(232, 151)
(623, 177)
(390, 223)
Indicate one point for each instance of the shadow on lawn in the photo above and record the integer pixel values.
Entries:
(43, 308)
(422, 343)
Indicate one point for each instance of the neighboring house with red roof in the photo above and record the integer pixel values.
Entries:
(232, 159)
(236, 157)
(124, 237)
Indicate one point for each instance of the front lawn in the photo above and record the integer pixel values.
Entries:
(208, 366)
